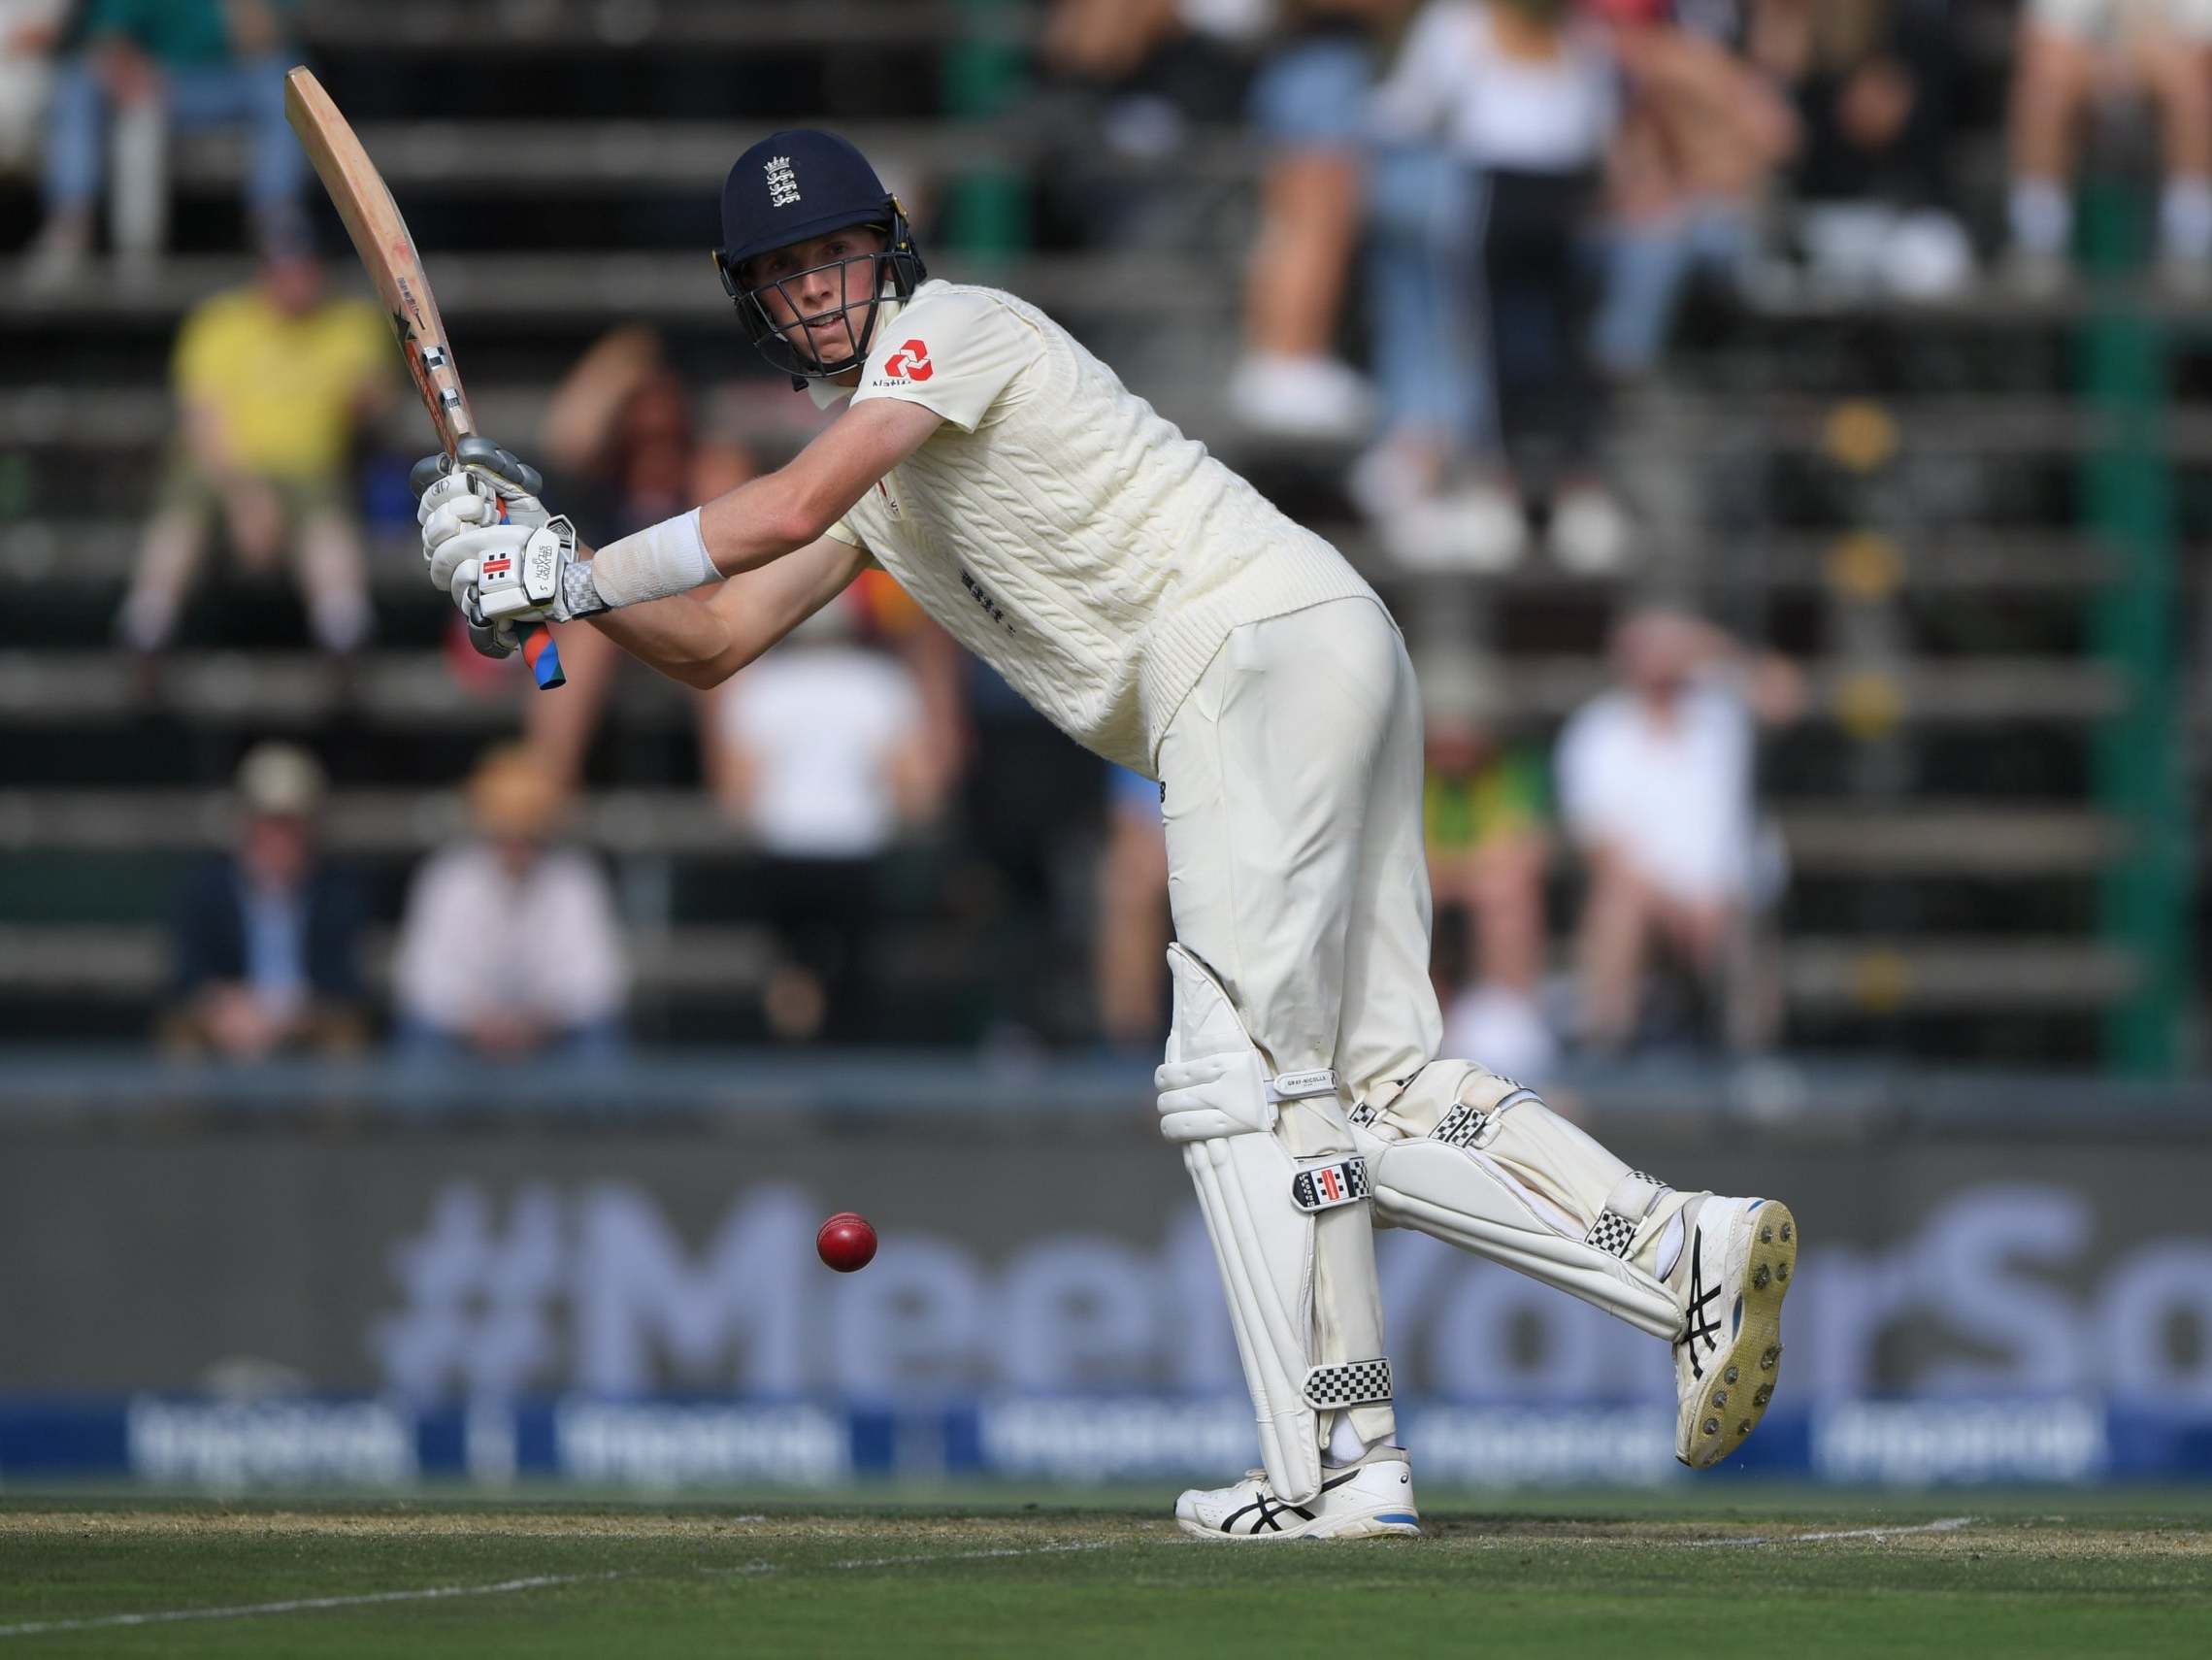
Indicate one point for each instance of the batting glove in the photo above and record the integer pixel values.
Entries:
(479, 486)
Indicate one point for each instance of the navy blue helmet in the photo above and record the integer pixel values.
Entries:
(790, 187)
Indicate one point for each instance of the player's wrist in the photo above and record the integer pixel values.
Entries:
(657, 562)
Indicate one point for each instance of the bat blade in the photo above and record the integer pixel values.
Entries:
(387, 252)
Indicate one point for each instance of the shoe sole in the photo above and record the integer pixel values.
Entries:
(1740, 1382)
(1388, 1524)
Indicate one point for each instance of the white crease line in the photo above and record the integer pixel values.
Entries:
(903, 1561)
(301, 1605)
(536, 1582)
(1947, 1524)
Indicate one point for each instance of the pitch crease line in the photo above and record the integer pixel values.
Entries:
(302, 1605)
(903, 1561)
(535, 1583)
(1945, 1524)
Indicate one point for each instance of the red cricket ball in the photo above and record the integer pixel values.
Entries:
(846, 1242)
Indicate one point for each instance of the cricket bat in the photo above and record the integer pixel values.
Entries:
(380, 238)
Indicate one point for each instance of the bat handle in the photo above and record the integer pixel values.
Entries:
(542, 657)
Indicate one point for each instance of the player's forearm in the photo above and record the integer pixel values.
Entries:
(764, 519)
(743, 530)
(683, 637)
(704, 637)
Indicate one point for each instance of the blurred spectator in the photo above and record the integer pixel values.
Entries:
(1872, 81)
(822, 754)
(1157, 63)
(1529, 99)
(30, 33)
(273, 384)
(164, 64)
(1700, 136)
(267, 940)
(510, 946)
(1656, 792)
(622, 449)
(1130, 937)
(1309, 107)
(1483, 813)
(2070, 53)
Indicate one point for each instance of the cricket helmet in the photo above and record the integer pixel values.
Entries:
(790, 187)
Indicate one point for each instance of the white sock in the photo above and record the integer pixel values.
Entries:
(2185, 218)
(2042, 216)
(1346, 1445)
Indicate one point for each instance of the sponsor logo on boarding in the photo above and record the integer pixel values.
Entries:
(911, 362)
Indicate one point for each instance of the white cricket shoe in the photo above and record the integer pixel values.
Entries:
(1731, 1277)
(1373, 1498)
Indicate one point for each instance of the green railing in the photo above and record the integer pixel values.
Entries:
(2139, 765)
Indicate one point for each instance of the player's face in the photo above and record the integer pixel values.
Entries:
(806, 287)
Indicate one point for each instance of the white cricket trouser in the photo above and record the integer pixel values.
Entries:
(1296, 865)
(1295, 872)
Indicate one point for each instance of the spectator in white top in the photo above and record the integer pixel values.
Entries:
(1528, 98)
(510, 949)
(823, 754)
(1655, 782)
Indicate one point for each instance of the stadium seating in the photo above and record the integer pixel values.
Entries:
(1896, 496)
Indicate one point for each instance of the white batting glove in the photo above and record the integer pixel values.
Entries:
(514, 572)
(479, 486)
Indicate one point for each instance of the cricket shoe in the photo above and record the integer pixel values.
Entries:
(1373, 1498)
(1732, 1279)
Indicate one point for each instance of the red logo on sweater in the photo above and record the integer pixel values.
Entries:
(911, 362)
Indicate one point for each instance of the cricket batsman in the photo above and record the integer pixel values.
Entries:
(1158, 610)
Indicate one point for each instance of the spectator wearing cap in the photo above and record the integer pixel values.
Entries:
(267, 940)
(510, 947)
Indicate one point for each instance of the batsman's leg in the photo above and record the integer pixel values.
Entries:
(1266, 768)
(1456, 1151)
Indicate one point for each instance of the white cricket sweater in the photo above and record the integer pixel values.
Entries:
(1061, 529)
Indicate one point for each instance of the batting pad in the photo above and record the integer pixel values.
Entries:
(1481, 1163)
(1289, 1234)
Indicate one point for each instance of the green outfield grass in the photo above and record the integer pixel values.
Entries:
(1725, 1571)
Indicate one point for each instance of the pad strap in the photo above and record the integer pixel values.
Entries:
(1349, 1384)
(1298, 1085)
(1625, 1207)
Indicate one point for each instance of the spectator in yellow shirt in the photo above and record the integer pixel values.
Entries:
(273, 382)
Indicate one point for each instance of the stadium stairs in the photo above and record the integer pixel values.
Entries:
(1892, 496)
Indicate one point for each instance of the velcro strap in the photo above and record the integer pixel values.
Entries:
(1296, 1085)
(1461, 1126)
(1625, 1207)
(1350, 1383)
(1327, 1186)
(1466, 1125)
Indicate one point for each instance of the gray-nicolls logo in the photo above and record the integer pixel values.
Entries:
(782, 183)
